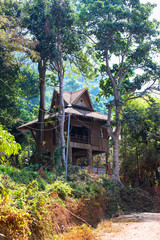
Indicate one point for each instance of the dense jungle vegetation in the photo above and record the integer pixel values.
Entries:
(108, 48)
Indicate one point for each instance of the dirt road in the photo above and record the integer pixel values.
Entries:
(142, 226)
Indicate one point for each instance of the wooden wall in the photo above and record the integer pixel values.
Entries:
(97, 143)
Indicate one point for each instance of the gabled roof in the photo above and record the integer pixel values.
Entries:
(74, 112)
(72, 97)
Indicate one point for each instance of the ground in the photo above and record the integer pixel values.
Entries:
(141, 226)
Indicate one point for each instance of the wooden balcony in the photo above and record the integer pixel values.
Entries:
(80, 139)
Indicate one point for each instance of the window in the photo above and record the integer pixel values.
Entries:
(80, 134)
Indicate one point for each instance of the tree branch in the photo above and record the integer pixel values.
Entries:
(123, 56)
(141, 94)
(89, 37)
(109, 128)
(109, 72)
(131, 92)
(109, 113)
(125, 73)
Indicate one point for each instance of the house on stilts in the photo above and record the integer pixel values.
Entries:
(87, 135)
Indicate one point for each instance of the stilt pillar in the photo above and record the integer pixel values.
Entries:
(74, 160)
(90, 160)
(107, 164)
(70, 155)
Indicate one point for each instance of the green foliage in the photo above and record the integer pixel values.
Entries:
(124, 199)
(8, 146)
(72, 85)
(28, 210)
(99, 106)
(136, 200)
(27, 83)
(27, 189)
(63, 189)
(8, 101)
(3, 193)
(46, 21)
(140, 148)
(114, 27)
(124, 39)
(85, 185)
(29, 174)
(58, 165)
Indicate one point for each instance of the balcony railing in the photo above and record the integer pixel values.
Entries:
(80, 139)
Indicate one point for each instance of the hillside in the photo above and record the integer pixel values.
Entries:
(37, 204)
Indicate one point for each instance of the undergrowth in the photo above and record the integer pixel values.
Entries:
(82, 232)
(35, 204)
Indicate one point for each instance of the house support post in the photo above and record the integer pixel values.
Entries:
(90, 160)
(66, 162)
(70, 155)
(107, 164)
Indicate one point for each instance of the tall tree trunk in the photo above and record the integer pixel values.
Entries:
(62, 108)
(61, 120)
(29, 152)
(115, 173)
(115, 137)
(40, 132)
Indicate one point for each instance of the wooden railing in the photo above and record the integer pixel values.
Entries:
(79, 139)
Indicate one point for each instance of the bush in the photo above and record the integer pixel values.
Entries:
(63, 189)
(82, 232)
(29, 201)
(8, 145)
(85, 185)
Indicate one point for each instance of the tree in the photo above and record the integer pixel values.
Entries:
(10, 43)
(125, 40)
(8, 146)
(67, 47)
(72, 81)
(140, 138)
(39, 26)
(8, 66)
(52, 24)
(8, 101)
(28, 85)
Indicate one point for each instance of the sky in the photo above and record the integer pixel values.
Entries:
(156, 11)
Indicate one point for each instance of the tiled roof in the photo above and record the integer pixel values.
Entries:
(74, 112)
(87, 114)
(70, 97)
(76, 94)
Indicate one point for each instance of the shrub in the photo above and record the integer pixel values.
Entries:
(82, 232)
(8, 145)
(63, 189)
(85, 185)
(13, 223)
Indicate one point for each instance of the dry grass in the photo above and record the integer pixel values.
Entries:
(82, 232)
(13, 224)
(107, 227)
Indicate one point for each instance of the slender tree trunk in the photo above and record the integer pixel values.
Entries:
(29, 153)
(40, 132)
(138, 170)
(115, 137)
(62, 108)
(115, 173)
(62, 118)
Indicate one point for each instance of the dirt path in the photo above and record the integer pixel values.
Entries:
(143, 226)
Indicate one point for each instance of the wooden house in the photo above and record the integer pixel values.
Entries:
(87, 136)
